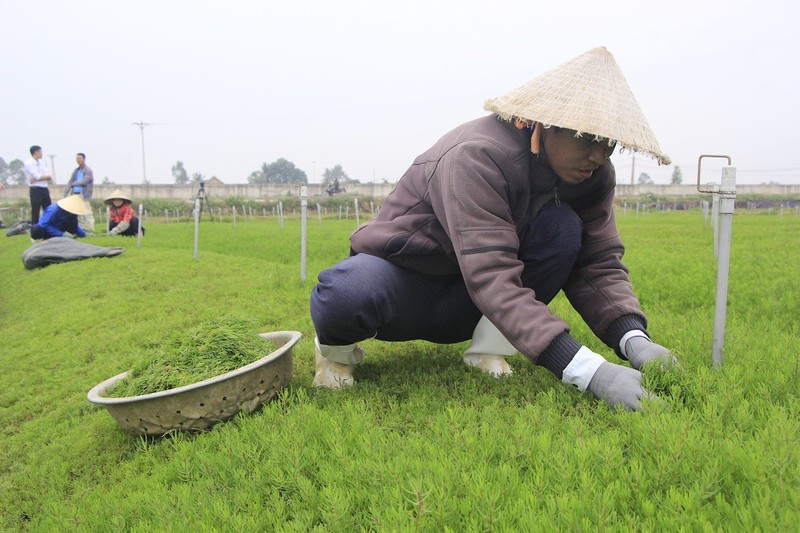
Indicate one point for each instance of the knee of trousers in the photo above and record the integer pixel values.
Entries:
(343, 305)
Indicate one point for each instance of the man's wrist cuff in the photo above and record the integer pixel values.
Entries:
(632, 333)
(582, 368)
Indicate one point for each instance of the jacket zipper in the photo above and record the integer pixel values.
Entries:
(555, 196)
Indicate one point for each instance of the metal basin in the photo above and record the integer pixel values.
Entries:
(199, 406)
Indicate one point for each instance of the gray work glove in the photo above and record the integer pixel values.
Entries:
(641, 350)
(618, 385)
(69, 235)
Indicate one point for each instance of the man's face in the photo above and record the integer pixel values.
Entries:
(574, 159)
(80, 160)
(37, 154)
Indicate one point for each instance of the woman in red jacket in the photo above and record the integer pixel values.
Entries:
(122, 218)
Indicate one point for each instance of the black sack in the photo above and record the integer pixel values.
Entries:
(62, 250)
(18, 228)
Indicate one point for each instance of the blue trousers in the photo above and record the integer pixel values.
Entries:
(365, 296)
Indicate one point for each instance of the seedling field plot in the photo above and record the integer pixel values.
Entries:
(422, 442)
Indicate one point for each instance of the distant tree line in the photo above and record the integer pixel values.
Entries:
(280, 171)
(12, 173)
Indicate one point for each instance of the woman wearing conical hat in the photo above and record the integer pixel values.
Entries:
(488, 225)
(61, 219)
(122, 219)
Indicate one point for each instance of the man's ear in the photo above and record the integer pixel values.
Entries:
(521, 124)
(536, 139)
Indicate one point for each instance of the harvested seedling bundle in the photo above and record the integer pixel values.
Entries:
(207, 350)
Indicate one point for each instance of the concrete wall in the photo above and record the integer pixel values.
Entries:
(375, 190)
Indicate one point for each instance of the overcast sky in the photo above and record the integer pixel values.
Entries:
(227, 86)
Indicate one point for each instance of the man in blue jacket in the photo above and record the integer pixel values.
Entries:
(61, 219)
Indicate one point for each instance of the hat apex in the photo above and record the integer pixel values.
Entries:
(74, 204)
(117, 194)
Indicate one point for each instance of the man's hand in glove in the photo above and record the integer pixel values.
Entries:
(640, 350)
(69, 235)
(619, 385)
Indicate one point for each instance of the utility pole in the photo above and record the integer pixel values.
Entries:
(53, 167)
(633, 167)
(141, 125)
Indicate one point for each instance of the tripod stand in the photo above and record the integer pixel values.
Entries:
(202, 198)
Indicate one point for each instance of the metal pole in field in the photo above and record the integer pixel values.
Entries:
(108, 221)
(139, 229)
(725, 195)
(715, 220)
(196, 212)
(303, 231)
(355, 203)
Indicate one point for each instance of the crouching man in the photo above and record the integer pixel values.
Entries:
(488, 225)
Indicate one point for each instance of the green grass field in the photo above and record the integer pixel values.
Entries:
(423, 442)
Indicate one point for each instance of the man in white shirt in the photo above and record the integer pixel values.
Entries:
(36, 176)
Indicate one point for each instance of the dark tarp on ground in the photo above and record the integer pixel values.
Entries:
(18, 228)
(63, 249)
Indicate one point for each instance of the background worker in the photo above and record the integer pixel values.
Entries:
(122, 219)
(61, 219)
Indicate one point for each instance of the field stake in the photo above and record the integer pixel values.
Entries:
(196, 212)
(139, 229)
(724, 196)
(303, 231)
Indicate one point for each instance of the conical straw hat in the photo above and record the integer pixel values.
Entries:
(589, 95)
(117, 194)
(74, 204)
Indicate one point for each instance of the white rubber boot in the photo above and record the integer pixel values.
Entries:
(335, 365)
(489, 349)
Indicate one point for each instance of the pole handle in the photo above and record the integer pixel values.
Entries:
(713, 186)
